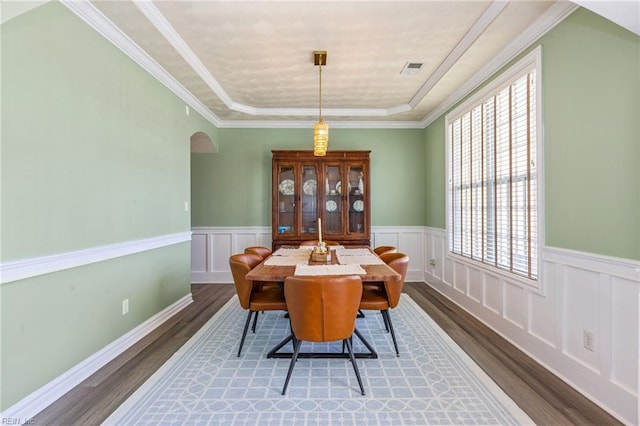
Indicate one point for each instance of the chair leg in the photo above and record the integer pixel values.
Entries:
(255, 321)
(386, 323)
(353, 362)
(294, 358)
(385, 314)
(244, 333)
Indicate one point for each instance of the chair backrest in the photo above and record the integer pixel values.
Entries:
(315, 243)
(384, 249)
(399, 262)
(323, 308)
(240, 265)
(261, 251)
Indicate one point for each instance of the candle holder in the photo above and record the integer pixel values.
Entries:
(320, 253)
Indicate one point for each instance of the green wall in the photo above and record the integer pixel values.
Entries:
(94, 151)
(233, 187)
(592, 126)
(591, 101)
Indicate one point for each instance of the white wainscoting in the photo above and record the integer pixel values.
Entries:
(212, 246)
(577, 292)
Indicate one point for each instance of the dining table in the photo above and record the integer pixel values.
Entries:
(340, 260)
(268, 270)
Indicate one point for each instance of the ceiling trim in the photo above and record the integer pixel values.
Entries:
(548, 20)
(351, 124)
(95, 19)
(157, 19)
(478, 28)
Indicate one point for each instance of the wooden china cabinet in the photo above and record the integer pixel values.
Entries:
(334, 188)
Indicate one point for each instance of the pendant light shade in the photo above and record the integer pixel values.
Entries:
(320, 129)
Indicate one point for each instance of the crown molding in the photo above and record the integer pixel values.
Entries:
(552, 17)
(94, 18)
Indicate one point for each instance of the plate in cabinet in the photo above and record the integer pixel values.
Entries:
(286, 187)
(331, 205)
(310, 187)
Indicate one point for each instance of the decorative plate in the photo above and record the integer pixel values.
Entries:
(331, 205)
(286, 187)
(358, 205)
(339, 187)
(310, 187)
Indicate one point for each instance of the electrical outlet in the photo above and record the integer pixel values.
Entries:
(587, 340)
(125, 306)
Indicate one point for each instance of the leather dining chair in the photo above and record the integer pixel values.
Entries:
(263, 252)
(379, 251)
(384, 249)
(253, 298)
(323, 309)
(315, 243)
(387, 296)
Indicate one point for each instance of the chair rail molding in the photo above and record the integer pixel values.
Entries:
(26, 268)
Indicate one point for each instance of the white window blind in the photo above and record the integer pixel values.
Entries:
(493, 194)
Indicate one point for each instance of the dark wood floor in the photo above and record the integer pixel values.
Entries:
(544, 397)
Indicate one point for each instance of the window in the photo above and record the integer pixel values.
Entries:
(493, 175)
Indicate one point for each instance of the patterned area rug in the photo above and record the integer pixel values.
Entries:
(433, 382)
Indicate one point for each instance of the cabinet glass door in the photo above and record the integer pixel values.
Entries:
(309, 200)
(333, 207)
(286, 200)
(356, 201)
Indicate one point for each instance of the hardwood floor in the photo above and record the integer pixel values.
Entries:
(544, 397)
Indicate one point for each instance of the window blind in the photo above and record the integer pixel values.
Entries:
(493, 179)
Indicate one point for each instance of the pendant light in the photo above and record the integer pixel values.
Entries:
(320, 129)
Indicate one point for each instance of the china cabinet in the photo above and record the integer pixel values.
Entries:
(333, 191)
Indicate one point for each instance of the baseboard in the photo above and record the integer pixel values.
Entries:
(28, 407)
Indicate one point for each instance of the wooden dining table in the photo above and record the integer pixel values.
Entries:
(279, 273)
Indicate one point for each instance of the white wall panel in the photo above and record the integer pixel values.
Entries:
(475, 284)
(514, 304)
(542, 318)
(582, 314)
(460, 277)
(492, 293)
(198, 252)
(624, 333)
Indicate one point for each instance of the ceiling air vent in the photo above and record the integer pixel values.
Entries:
(411, 68)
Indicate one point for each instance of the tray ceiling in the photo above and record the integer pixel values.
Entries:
(250, 63)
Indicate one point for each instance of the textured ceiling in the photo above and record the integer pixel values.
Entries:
(252, 61)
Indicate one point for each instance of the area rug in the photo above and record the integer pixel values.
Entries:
(432, 382)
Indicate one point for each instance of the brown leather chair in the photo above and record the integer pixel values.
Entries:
(252, 297)
(379, 251)
(315, 243)
(263, 252)
(384, 249)
(323, 309)
(387, 296)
